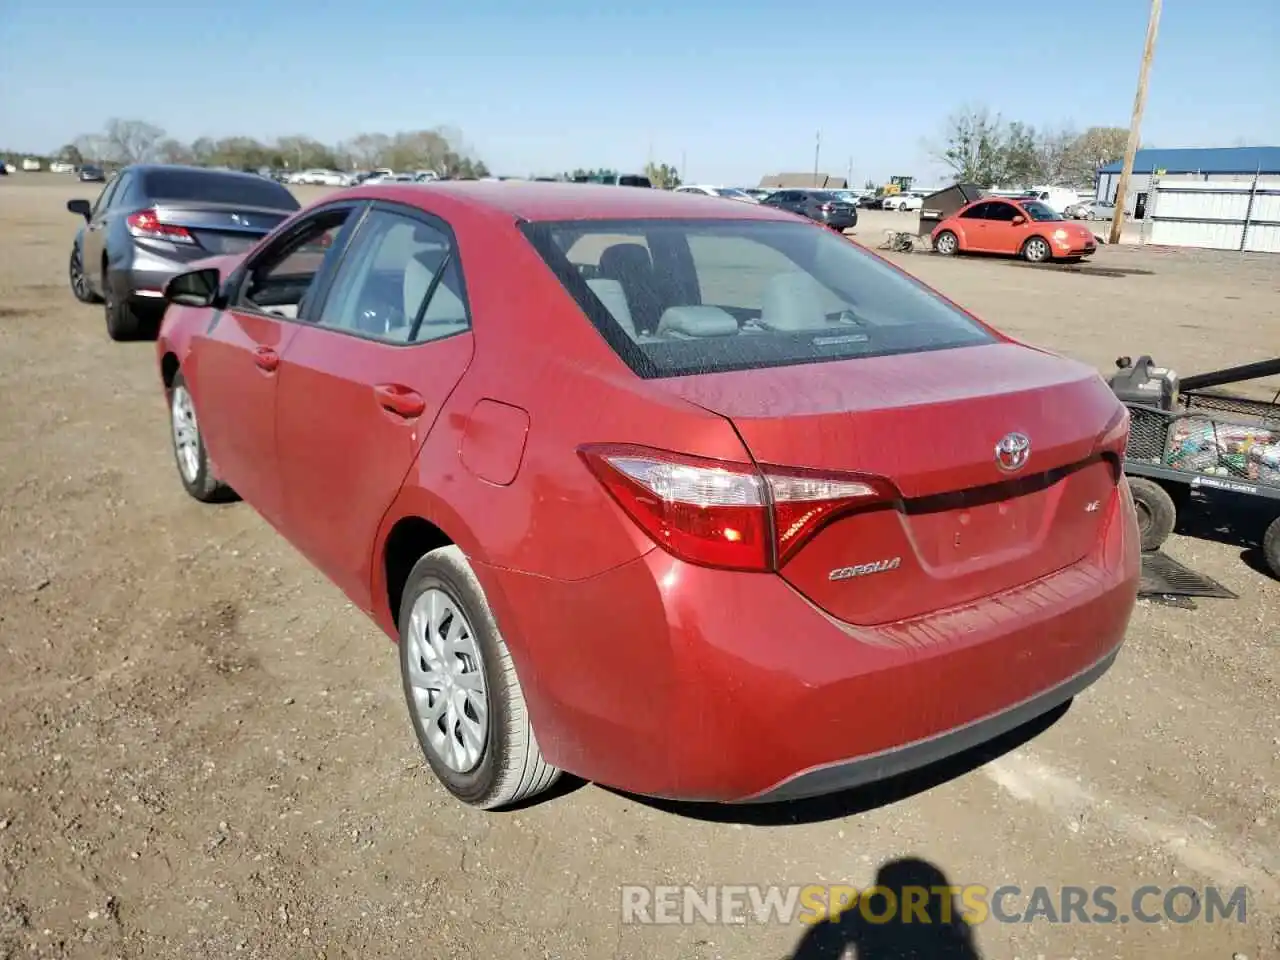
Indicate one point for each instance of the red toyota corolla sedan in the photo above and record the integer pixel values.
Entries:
(1015, 227)
(692, 498)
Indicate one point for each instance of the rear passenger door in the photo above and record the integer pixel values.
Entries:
(362, 385)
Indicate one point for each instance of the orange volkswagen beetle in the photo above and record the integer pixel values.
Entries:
(1017, 227)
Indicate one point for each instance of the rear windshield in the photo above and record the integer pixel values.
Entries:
(705, 296)
(213, 187)
(631, 180)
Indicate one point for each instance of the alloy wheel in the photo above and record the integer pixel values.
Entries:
(79, 282)
(446, 677)
(186, 433)
(1037, 250)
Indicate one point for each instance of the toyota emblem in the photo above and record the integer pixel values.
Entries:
(1012, 452)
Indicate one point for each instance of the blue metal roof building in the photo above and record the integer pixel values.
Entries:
(1210, 160)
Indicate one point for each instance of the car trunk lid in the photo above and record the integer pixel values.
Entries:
(930, 423)
(219, 228)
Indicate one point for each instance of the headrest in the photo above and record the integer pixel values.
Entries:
(697, 321)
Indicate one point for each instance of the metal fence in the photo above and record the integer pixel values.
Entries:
(1217, 214)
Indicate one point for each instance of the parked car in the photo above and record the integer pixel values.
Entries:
(758, 193)
(62, 166)
(1091, 210)
(91, 173)
(871, 202)
(617, 180)
(321, 178)
(151, 222)
(585, 536)
(902, 201)
(1021, 227)
(820, 205)
(728, 193)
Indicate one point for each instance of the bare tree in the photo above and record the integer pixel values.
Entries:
(367, 149)
(131, 141)
(1094, 149)
(972, 146)
(173, 151)
(91, 147)
(1054, 149)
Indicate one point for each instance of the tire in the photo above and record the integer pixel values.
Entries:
(195, 469)
(1156, 512)
(1271, 547)
(1037, 250)
(947, 244)
(80, 288)
(502, 764)
(124, 323)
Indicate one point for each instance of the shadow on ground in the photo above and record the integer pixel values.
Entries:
(1234, 520)
(851, 802)
(878, 928)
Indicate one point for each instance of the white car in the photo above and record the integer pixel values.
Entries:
(31, 164)
(729, 193)
(320, 178)
(902, 201)
(61, 166)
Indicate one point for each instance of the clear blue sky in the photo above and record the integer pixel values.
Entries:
(738, 88)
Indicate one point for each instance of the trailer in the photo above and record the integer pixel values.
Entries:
(1187, 434)
(934, 208)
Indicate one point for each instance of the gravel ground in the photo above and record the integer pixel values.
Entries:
(204, 752)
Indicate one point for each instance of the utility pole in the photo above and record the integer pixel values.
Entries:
(1135, 123)
(848, 177)
(817, 151)
(680, 173)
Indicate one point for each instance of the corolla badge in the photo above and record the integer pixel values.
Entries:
(864, 569)
(1013, 451)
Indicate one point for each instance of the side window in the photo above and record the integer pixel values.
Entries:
(281, 278)
(1002, 211)
(400, 281)
(106, 196)
(977, 212)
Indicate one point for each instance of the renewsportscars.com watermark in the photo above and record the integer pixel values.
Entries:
(972, 904)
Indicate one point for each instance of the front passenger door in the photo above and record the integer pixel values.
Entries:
(361, 387)
(233, 366)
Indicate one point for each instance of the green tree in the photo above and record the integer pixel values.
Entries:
(662, 175)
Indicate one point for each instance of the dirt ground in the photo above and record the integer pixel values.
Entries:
(204, 752)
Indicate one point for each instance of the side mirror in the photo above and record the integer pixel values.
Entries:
(199, 288)
(81, 207)
(1019, 220)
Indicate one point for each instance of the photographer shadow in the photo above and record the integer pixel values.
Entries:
(895, 933)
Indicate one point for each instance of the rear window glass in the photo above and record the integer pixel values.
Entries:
(703, 296)
(211, 187)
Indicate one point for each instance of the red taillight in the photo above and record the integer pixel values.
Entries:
(147, 225)
(726, 514)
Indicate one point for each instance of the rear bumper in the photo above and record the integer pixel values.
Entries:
(683, 682)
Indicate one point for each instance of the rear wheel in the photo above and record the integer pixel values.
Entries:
(79, 282)
(124, 323)
(1156, 512)
(460, 684)
(947, 243)
(1036, 250)
(1271, 546)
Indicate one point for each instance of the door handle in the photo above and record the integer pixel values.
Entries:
(266, 359)
(399, 400)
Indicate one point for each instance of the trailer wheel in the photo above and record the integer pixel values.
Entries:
(1156, 512)
(1271, 546)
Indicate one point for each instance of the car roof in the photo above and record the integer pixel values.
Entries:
(533, 200)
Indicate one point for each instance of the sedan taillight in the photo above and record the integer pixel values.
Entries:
(146, 225)
(727, 514)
